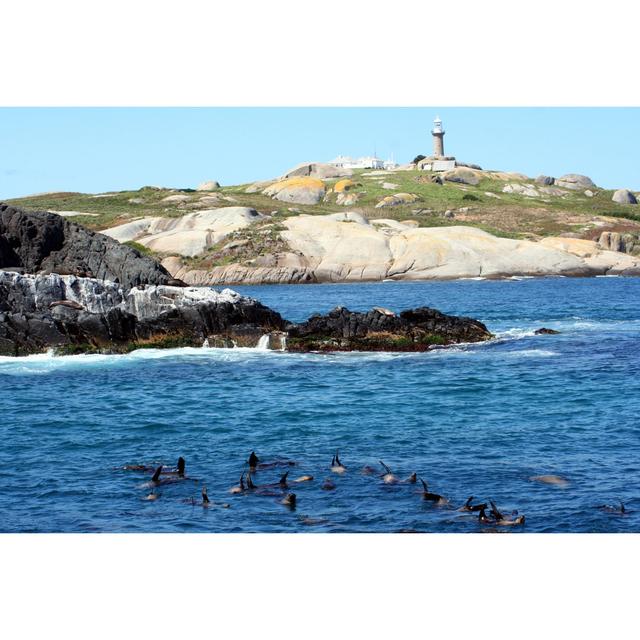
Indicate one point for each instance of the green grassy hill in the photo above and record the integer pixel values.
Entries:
(484, 205)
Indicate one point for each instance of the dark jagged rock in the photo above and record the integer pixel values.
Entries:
(78, 315)
(382, 330)
(545, 331)
(43, 242)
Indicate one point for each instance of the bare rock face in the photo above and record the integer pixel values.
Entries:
(188, 235)
(615, 241)
(43, 242)
(300, 190)
(575, 181)
(624, 196)
(383, 330)
(318, 170)
(522, 189)
(209, 185)
(463, 175)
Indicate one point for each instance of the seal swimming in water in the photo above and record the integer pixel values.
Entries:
(136, 467)
(179, 468)
(304, 479)
(328, 485)
(266, 489)
(621, 510)
(412, 479)
(388, 477)
(255, 464)
(336, 465)
(558, 481)
(431, 497)
(206, 502)
(498, 518)
(155, 478)
(240, 488)
(176, 476)
(368, 470)
(290, 500)
(467, 506)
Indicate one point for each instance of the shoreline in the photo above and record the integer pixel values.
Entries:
(514, 278)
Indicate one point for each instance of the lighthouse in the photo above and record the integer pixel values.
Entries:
(438, 138)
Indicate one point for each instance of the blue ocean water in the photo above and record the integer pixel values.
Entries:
(472, 420)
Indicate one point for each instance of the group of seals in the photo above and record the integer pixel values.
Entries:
(274, 489)
(171, 476)
(495, 517)
(280, 489)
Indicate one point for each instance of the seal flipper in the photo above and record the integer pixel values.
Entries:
(156, 475)
(333, 461)
(494, 511)
(242, 481)
(250, 484)
(338, 460)
(283, 480)
(205, 497)
(181, 466)
(424, 485)
(385, 467)
(468, 502)
(253, 460)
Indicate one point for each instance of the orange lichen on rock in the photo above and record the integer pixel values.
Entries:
(343, 185)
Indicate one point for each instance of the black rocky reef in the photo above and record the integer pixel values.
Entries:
(44, 242)
(79, 315)
(382, 330)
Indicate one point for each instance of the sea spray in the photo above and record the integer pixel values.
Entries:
(263, 343)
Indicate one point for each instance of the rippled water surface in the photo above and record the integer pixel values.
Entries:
(478, 420)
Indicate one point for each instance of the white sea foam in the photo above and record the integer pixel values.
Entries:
(530, 353)
(263, 343)
(515, 333)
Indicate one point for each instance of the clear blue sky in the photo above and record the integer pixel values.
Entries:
(104, 149)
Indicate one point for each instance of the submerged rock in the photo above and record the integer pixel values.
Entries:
(382, 330)
(545, 330)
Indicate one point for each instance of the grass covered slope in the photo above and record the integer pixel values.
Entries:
(413, 197)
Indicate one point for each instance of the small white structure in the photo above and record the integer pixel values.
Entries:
(366, 162)
(437, 165)
(390, 164)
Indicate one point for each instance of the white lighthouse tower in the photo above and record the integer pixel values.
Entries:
(438, 138)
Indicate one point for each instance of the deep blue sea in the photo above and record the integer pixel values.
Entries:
(477, 420)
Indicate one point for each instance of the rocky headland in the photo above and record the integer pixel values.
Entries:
(322, 223)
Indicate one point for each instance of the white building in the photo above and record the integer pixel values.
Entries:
(390, 164)
(366, 162)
